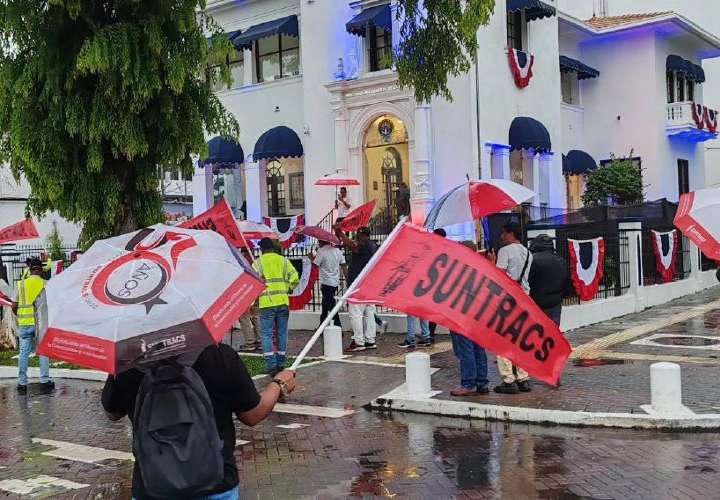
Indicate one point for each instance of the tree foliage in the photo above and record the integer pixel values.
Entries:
(54, 243)
(97, 95)
(438, 40)
(619, 181)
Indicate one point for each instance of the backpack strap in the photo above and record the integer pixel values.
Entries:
(522, 273)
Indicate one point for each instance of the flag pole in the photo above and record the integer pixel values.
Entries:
(341, 301)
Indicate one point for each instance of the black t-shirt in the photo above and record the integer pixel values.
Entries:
(231, 391)
(360, 259)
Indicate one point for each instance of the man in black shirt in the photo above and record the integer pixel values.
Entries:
(549, 277)
(231, 390)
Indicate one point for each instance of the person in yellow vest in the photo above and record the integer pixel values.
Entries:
(280, 279)
(29, 289)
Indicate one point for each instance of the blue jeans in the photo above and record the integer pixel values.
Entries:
(473, 362)
(269, 318)
(26, 336)
(424, 330)
(233, 494)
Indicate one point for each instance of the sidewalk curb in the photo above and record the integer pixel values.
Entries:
(66, 373)
(397, 400)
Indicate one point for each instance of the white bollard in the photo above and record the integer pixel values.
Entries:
(417, 374)
(666, 388)
(332, 342)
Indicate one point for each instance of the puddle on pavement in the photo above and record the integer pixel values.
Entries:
(589, 363)
(686, 341)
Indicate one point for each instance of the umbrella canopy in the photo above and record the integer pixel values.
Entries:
(472, 200)
(336, 180)
(255, 231)
(698, 217)
(318, 233)
(144, 296)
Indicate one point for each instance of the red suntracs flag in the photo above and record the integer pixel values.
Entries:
(219, 219)
(360, 217)
(24, 230)
(424, 275)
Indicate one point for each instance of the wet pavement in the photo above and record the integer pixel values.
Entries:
(369, 454)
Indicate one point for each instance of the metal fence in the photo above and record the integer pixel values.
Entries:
(651, 275)
(14, 259)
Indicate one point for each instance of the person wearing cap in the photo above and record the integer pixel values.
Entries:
(29, 289)
(362, 316)
(280, 279)
(549, 278)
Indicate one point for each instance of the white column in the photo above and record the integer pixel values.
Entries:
(545, 171)
(253, 191)
(248, 67)
(202, 189)
(421, 198)
(396, 24)
(341, 142)
(632, 253)
(531, 174)
(501, 162)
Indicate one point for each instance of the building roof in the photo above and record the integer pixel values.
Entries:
(601, 23)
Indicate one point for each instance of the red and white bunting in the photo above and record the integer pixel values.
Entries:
(586, 276)
(303, 292)
(711, 120)
(698, 116)
(284, 227)
(704, 118)
(56, 268)
(665, 247)
(521, 66)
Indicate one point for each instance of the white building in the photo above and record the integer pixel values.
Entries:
(320, 69)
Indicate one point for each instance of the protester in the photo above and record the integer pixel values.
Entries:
(330, 261)
(343, 205)
(280, 279)
(362, 316)
(472, 358)
(249, 323)
(433, 326)
(230, 390)
(515, 260)
(402, 200)
(28, 291)
(410, 342)
(549, 277)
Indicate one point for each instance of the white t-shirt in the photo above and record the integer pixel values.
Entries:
(329, 259)
(511, 259)
(342, 209)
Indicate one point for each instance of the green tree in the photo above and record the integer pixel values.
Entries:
(55, 245)
(619, 181)
(96, 96)
(439, 40)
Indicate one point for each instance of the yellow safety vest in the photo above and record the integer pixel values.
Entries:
(280, 278)
(28, 291)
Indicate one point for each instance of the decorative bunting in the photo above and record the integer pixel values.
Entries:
(711, 120)
(521, 65)
(698, 116)
(303, 292)
(665, 247)
(284, 227)
(704, 117)
(587, 266)
(56, 267)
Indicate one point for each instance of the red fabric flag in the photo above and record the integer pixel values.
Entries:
(24, 230)
(358, 218)
(221, 220)
(424, 275)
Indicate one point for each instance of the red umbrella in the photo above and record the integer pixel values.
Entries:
(337, 180)
(318, 233)
(698, 217)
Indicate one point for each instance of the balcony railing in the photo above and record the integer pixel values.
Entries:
(691, 121)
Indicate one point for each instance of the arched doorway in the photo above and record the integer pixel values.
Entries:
(387, 165)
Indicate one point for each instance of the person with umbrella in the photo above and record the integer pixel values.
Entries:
(343, 205)
(280, 279)
(331, 261)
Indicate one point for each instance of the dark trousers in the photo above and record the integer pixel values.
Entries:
(433, 327)
(473, 361)
(554, 313)
(328, 302)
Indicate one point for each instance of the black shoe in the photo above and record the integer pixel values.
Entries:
(370, 345)
(483, 389)
(47, 387)
(506, 388)
(406, 345)
(524, 386)
(354, 347)
(22, 389)
(425, 344)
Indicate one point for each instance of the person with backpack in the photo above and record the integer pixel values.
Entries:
(549, 278)
(182, 418)
(516, 261)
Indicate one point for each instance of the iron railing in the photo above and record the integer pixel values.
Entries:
(651, 274)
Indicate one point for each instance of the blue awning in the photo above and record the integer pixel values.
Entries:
(278, 142)
(690, 70)
(528, 133)
(223, 152)
(578, 162)
(534, 9)
(583, 70)
(284, 26)
(374, 17)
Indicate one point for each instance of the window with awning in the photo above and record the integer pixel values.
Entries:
(583, 71)
(528, 133)
(689, 70)
(287, 26)
(278, 142)
(374, 17)
(375, 25)
(534, 9)
(578, 162)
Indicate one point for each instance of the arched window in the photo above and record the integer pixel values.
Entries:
(275, 177)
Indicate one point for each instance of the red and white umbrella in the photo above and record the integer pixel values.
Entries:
(472, 200)
(255, 230)
(698, 217)
(318, 233)
(152, 294)
(337, 180)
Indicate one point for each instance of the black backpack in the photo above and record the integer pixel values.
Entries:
(175, 439)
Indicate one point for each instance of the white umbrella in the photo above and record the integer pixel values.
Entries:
(698, 217)
(148, 295)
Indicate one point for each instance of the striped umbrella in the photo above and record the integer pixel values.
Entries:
(472, 200)
(337, 180)
(698, 217)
